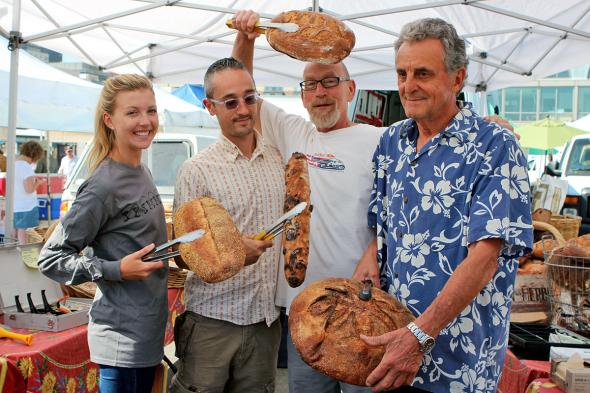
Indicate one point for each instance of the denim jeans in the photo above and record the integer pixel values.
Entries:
(126, 380)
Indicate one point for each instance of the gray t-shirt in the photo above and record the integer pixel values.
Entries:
(117, 211)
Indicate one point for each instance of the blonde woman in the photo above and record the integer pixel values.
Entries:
(26, 212)
(119, 214)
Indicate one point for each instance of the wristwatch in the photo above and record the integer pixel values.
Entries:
(426, 342)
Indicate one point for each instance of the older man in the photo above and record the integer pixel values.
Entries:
(450, 203)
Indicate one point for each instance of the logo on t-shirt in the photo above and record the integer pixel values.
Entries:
(138, 209)
(325, 161)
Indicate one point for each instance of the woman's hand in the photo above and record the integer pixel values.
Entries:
(133, 268)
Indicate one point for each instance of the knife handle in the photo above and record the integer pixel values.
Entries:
(230, 23)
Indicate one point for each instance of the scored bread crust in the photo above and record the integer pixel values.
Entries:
(321, 38)
(295, 238)
(327, 318)
(220, 253)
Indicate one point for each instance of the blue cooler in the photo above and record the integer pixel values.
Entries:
(44, 202)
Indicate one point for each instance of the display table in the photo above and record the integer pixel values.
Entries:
(60, 362)
(518, 374)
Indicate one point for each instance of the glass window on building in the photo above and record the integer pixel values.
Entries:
(494, 99)
(547, 101)
(521, 103)
(583, 101)
(557, 102)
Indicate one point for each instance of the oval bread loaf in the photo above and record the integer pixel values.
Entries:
(321, 38)
(220, 253)
(327, 318)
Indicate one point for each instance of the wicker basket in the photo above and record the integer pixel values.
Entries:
(176, 277)
(569, 226)
(543, 226)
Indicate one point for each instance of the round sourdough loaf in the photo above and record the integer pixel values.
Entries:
(321, 38)
(327, 318)
(220, 253)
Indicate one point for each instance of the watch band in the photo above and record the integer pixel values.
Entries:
(426, 342)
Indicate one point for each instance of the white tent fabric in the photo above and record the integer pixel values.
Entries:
(50, 99)
(582, 123)
(510, 41)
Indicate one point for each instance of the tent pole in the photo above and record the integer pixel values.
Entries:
(14, 44)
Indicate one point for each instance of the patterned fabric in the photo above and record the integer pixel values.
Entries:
(466, 184)
(252, 191)
(517, 373)
(60, 361)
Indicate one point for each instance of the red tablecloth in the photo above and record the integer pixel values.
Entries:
(518, 374)
(543, 385)
(60, 362)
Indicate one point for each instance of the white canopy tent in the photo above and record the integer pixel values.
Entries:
(510, 41)
(582, 123)
(50, 99)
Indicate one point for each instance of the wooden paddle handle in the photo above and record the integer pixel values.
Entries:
(26, 338)
(230, 23)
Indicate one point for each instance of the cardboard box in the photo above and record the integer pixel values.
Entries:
(577, 377)
(19, 277)
(530, 293)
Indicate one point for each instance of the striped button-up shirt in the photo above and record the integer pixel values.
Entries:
(252, 191)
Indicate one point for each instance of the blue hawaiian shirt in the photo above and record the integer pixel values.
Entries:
(466, 184)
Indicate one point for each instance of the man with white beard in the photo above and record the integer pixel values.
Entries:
(339, 154)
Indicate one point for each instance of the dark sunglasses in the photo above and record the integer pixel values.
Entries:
(331, 81)
(232, 103)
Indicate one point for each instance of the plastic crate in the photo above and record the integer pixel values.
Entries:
(531, 341)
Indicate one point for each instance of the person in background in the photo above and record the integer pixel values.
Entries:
(119, 214)
(2, 161)
(68, 162)
(26, 211)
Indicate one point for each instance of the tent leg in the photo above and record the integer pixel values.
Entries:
(15, 41)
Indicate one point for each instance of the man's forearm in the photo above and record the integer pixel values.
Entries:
(243, 51)
(473, 274)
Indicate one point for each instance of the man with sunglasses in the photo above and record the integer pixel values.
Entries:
(339, 154)
(228, 338)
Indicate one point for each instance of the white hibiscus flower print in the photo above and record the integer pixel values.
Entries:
(437, 197)
(461, 146)
(399, 290)
(498, 227)
(515, 182)
(470, 382)
(414, 249)
(460, 329)
(500, 309)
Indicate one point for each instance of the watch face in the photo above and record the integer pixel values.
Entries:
(426, 347)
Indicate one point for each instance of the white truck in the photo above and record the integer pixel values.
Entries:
(575, 168)
(164, 157)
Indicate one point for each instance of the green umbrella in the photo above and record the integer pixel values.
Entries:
(547, 133)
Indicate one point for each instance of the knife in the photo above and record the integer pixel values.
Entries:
(262, 26)
(285, 217)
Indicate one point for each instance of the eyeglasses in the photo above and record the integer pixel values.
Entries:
(232, 103)
(331, 81)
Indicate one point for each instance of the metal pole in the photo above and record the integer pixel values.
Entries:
(13, 46)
